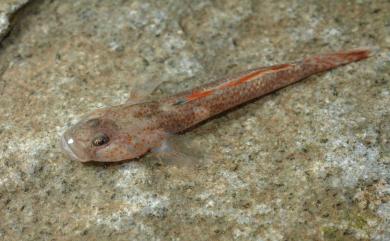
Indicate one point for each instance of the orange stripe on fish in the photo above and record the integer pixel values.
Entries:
(194, 96)
(256, 74)
(253, 75)
(198, 95)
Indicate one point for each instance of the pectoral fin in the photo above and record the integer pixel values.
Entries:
(142, 89)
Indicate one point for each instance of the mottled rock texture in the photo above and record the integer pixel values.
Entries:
(7, 9)
(309, 162)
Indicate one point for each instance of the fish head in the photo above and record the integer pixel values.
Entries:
(104, 136)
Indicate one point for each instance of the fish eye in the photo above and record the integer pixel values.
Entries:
(100, 139)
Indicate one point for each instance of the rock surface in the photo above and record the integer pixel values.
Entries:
(7, 9)
(310, 162)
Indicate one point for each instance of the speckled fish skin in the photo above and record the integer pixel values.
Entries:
(129, 131)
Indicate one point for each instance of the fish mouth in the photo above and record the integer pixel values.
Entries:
(70, 151)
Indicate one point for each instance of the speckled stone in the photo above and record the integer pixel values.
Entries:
(7, 9)
(309, 162)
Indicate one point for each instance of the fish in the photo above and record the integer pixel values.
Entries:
(133, 129)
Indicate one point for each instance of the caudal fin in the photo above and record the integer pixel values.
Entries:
(350, 56)
(329, 61)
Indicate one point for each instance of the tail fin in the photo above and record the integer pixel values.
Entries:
(325, 62)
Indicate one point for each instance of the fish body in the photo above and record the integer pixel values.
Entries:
(129, 131)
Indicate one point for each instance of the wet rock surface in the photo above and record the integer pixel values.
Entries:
(309, 162)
